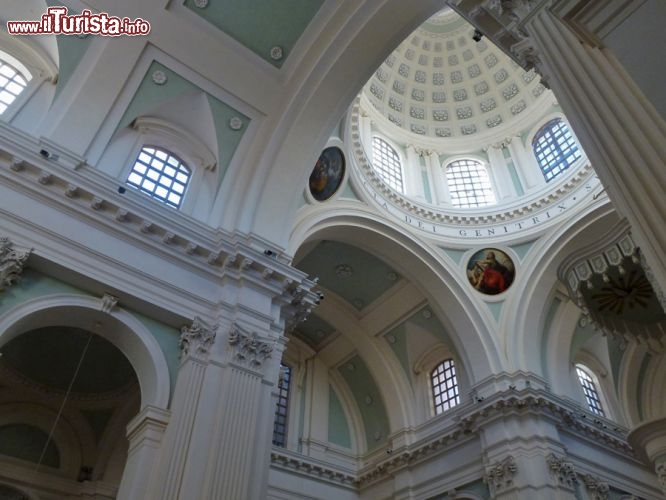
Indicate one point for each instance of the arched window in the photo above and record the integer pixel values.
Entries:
(469, 184)
(555, 148)
(386, 162)
(160, 174)
(444, 386)
(280, 422)
(12, 83)
(590, 390)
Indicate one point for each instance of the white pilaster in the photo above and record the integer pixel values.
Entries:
(145, 433)
(621, 132)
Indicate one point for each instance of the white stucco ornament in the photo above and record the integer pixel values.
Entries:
(202, 4)
(235, 123)
(277, 53)
(344, 271)
(159, 77)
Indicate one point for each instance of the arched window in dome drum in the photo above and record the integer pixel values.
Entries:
(444, 386)
(469, 184)
(386, 162)
(160, 174)
(555, 148)
(12, 83)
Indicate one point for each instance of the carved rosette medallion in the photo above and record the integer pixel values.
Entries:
(500, 475)
(249, 348)
(11, 263)
(197, 339)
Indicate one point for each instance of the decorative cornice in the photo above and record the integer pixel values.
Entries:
(248, 347)
(15, 377)
(197, 339)
(469, 221)
(563, 470)
(472, 416)
(307, 466)
(92, 198)
(12, 261)
(500, 475)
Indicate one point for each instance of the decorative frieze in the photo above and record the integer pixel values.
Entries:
(248, 347)
(12, 261)
(500, 476)
(311, 468)
(563, 470)
(197, 339)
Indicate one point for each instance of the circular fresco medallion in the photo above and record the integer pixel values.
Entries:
(327, 175)
(490, 271)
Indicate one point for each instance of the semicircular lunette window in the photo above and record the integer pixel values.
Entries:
(12, 83)
(469, 184)
(386, 162)
(555, 148)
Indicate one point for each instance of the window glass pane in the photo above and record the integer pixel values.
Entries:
(280, 427)
(11, 84)
(469, 184)
(157, 180)
(386, 163)
(555, 148)
(444, 386)
(590, 391)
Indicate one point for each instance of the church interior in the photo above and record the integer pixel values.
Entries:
(335, 249)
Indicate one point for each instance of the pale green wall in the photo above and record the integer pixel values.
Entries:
(338, 427)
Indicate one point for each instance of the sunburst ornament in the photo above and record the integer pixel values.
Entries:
(626, 293)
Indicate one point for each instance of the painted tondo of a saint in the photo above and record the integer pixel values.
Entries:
(327, 174)
(490, 271)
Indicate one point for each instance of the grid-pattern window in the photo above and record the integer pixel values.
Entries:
(280, 422)
(444, 386)
(12, 83)
(160, 174)
(469, 184)
(386, 162)
(590, 391)
(555, 148)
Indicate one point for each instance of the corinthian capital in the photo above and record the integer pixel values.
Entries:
(197, 339)
(11, 263)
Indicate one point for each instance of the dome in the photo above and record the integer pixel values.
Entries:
(439, 82)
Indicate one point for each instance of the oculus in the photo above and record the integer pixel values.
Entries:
(327, 175)
(490, 271)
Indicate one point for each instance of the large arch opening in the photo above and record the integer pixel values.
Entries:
(73, 377)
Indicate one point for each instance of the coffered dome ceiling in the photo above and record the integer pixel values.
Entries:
(441, 83)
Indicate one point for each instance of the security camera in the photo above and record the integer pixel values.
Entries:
(48, 155)
(477, 36)
(121, 189)
(389, 451)
(269, 252)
